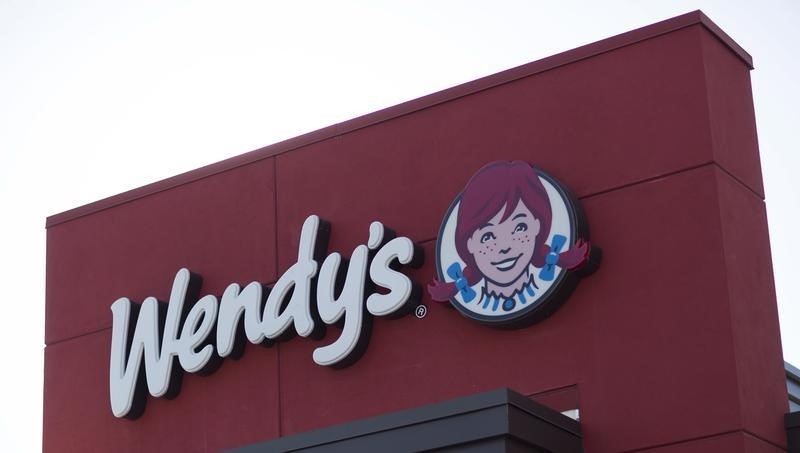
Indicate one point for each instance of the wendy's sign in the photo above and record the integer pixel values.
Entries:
(172, 338)
(507, 254)
(511, 247)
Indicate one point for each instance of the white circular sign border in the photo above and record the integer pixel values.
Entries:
(566, 220)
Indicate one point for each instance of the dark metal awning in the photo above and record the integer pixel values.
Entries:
(496, 421)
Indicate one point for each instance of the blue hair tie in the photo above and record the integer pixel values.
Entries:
(548, 272)
(462, 285)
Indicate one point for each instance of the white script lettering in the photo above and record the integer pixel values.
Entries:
(186, 343)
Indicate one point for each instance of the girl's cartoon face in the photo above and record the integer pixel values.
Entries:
(503, 249)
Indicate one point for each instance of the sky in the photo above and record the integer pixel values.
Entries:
(100, 97)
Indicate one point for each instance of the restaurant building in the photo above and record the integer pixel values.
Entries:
(288, 298)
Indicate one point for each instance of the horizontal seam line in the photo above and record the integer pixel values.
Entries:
(748, 188)
(92, 332)
(646, 180)
(746, 431)
(673, 173)
(694, 439)
(682, 441)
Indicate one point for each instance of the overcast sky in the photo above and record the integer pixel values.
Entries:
(99, 97)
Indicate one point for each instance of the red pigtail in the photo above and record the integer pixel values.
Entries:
(443, 291)
(576, 256)
(570, 259)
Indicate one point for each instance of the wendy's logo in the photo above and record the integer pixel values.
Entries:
(511, 247)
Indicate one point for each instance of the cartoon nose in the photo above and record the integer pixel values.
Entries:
(506, 250)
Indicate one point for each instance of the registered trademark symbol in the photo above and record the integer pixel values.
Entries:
(421, 311)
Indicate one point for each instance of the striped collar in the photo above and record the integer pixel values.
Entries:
(495, 302)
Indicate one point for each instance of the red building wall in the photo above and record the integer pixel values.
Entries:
(672, 345)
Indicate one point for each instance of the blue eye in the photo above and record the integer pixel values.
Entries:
(487, 237)
(522, 226)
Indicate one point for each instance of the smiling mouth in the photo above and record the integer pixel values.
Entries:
(507, 263)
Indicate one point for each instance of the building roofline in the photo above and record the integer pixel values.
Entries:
(449, 94)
